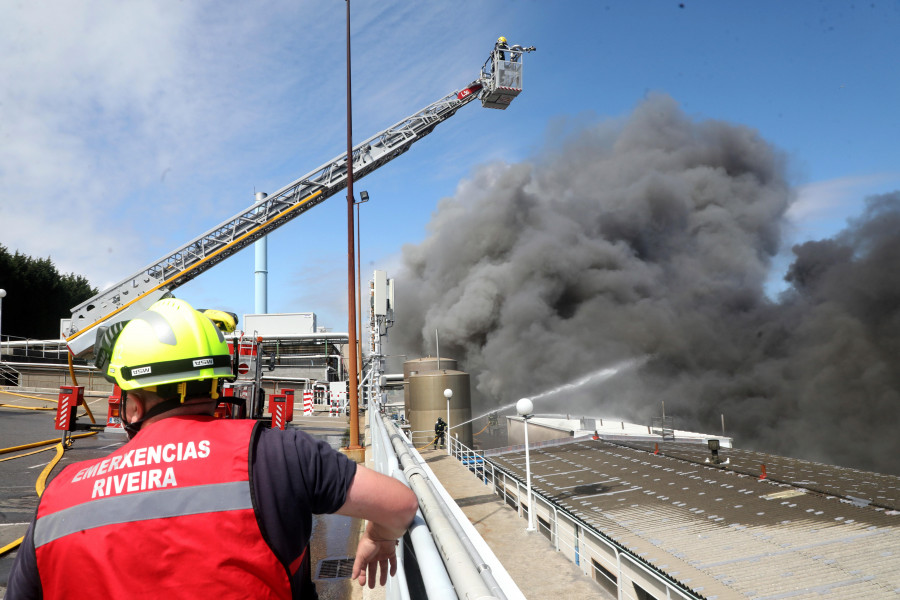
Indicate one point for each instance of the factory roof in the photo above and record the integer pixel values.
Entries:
(805, 531)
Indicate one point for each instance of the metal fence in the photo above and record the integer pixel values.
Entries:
(465, 567)
(611, 565)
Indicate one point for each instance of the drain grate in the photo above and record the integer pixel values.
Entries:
(335, 568)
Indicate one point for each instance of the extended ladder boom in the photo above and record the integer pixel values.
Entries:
(137, 292)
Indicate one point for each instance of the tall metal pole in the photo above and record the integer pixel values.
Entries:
(353, 444)
(358, 292)
(363, 197)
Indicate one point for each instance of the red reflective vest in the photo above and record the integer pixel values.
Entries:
(159, 518)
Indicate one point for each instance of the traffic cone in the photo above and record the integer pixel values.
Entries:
(762, 475)
(656, 451)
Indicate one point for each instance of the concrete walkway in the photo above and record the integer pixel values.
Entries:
(528, 557)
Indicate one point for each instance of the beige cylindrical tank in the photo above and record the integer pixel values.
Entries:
(423, 365)
(427, 402)
(426, 364)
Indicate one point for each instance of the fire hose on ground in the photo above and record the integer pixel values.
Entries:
(42, 480)
(41, 483)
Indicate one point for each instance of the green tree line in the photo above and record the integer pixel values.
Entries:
(37, 295)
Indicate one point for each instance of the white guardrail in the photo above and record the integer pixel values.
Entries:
(452, 558)
(611, 565)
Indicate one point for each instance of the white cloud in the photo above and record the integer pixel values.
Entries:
(134, 127)
(842, 196)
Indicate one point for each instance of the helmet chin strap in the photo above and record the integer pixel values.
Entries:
(184, 393)
(132, 429)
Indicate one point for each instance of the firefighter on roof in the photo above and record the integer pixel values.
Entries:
(439, 428)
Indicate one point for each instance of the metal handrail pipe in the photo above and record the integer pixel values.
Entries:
(292, 336)
(304, 356)
(29, 343)
(50, 366)
(671, 584)
(466, 572)
(483, 568)
(486, 573)
(434, 576)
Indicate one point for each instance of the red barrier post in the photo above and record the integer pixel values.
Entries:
(289, 405)
(70, 398)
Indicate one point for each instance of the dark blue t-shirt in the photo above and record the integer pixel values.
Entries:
(293, 476)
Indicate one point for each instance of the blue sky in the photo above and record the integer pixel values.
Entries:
(128, 129)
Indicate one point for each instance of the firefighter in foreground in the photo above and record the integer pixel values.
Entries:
(193, 506)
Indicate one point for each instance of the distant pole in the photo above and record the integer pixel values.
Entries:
(437, 349)
(363, 197)
(723, 424)
(358, 292)
(261, 249)
(353, 444)
(2, 296)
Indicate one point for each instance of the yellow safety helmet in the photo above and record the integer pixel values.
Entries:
(168, 343)
(501, 40)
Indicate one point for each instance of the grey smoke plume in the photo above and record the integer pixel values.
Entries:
(652, 240)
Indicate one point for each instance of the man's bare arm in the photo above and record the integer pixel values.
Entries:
(389, 506)
(386, 502)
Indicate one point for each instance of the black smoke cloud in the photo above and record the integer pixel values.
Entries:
(651, 239)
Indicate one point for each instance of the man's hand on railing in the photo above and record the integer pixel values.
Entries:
(389, 507)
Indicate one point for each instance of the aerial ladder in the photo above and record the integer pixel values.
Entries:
(499, 82)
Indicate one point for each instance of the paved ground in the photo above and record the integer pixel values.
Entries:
(528, 557)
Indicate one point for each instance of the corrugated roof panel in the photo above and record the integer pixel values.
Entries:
(725, 530)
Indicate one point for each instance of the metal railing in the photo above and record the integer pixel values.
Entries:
(613, 566)
(9, 375)
(464, 567)
(15, 348)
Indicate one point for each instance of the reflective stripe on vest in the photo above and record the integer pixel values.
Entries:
(155, 504)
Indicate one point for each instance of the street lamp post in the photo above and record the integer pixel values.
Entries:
(448, 393)
(2, 296)
(363, 197)
(525, 408)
